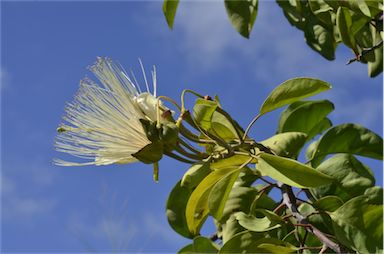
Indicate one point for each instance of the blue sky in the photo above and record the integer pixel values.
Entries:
(45, 49)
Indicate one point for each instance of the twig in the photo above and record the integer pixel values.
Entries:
(290, 201)
(364, 52)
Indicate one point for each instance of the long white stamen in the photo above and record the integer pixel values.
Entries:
(145, 76)
(154, 81)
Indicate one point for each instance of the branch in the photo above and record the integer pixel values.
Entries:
(364, 52)
(289, 200)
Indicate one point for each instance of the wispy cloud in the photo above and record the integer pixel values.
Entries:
(274, 49)
(18, 208)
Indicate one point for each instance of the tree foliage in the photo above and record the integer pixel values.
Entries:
(358, 24)
(329, 203)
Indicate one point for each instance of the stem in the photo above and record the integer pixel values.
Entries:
(170, 100)
(250, 125)
(290, 201)
(192, 156)
(192, 149)
(364, 52)
(179, 158)
(156, 172)
(193, 137)
(183, 95)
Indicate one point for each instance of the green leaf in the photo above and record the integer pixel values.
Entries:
(344, 24)
(242, 15)
(253, 242)
(197, 205)
(305, 116)
(293, 90)
(195, 174)
(222, 127)
(322, 11)
(233, 161)
(240, 242)
(200, 245)
(169, 9)
(286, 144)
(375, 66)
(219, 194)
(328, 203)
(230, 228)
(293, 12)
(348, 138)
(176, 205)
(268, 222)
(322, 126)
(240, 199)
(291, 172)
(321, 221)
(319, 37)
(359, 225)
(351, 177)
(271, 245)
(203, 112)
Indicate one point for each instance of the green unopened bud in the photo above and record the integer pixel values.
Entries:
(150, 153)
(169, 135)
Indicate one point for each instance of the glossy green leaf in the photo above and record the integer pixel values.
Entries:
(271, 245)
(197, 205)
(169, 9)
(233, 161)
(176, 205)
(359, 225)
(242, 15)
(195, 174)
(351, 177)
(203, 112)
(240, 242)
(293, 90)
(291, 172)
(253, 242)
(375, 66)
(344, 24)
(222, 127)
(268, 222)
(322, 126)
(230, 228)
(348, 138)
(293, 11)
(322, 11)
(219, 194)
(320, 38)
(286, 144)
(304, 116)
(321, 221)
(328, 203)
(240, 199)
(200, 245)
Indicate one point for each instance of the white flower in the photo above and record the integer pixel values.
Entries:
(102, 123)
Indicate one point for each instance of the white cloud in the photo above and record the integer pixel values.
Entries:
(275, 48)
(18, 208)
(206, 32)
(21, 187)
